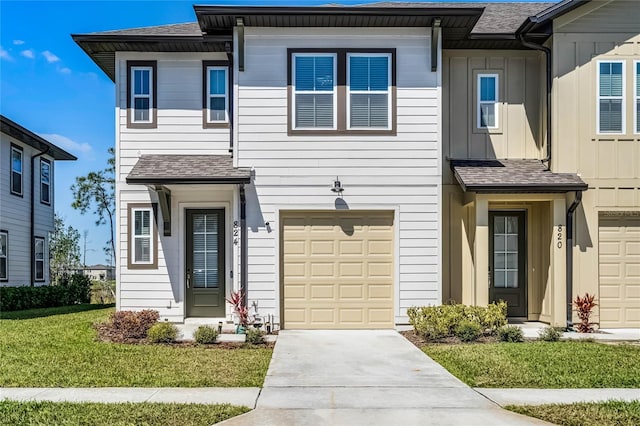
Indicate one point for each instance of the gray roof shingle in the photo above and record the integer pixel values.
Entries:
(512, 176)
(187, 169)
(186, 29)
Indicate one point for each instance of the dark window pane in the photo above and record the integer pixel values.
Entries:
(141, 109)
(16, 183)
(217, 109)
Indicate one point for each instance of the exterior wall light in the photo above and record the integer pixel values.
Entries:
(337, 186)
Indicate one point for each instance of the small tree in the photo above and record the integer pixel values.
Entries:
(64, 249)
(97, 190)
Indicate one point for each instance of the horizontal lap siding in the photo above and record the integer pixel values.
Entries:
(399, 173)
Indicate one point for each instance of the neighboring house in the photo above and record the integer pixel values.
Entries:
(338, 164)
(99, 272)
(26, 204)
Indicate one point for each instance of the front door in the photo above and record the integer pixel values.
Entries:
(204, 268)
(507, 261)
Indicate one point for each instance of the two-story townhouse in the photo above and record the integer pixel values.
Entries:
(26, 204)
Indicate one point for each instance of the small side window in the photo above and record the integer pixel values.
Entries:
(45, 181)
(4, 256)
(143, 234)
(487, 109)
(610, 97)
(38, 263)
(16, 170)
(141, 94)
(217, 93)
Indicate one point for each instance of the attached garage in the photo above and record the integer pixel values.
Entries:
(337, 269)
(619, 256)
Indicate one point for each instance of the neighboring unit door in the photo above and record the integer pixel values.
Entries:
(507, 261)
(204, 269)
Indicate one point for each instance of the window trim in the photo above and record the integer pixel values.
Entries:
(623, 108)
(19, 149)
(341, 81)
(387, 92)
(636, 97)
(44, 161)
(334, 92)
(36, 240)
(479, 102)
(206, 65)
(153, 112)
(6, 256)
(131, 207)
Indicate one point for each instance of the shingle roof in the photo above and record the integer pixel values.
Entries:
(24, 135)
(187, 169)
(512, 176)
(186, 29)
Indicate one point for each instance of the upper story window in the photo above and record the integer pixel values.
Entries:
(45, 181)
(142, 251)
(342, 92)
(216, 94)
(369, 86)
(4, 255)
(17, 164)
(314, 77)
(610, 106)
(487, 108)
(141, 94)
(38, 263)
(637, 96)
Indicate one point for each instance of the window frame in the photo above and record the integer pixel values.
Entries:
(43, 162)
(622, 98)
(37, 240)
(20, 150)
(636, 97)
(152, 66)
(334, 92)
(341, 82)
(206, 123)
(480, 102)
(4, 233)
(387, 92)
(153, 261)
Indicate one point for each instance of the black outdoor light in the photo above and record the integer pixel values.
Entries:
(337, 186)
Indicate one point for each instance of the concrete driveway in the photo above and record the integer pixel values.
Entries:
(370, 377)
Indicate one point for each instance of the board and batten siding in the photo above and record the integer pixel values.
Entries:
(15, 213)
(399, 173)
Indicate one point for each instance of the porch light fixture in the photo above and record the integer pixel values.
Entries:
(337, 186)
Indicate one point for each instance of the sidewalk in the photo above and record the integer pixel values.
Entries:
(504, 397)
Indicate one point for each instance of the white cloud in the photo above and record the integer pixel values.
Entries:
(18, 42)
(5, 55)
(50, 56)
(64, 70)
(66, 143)
(28, 54)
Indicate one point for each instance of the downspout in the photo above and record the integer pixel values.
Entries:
(32, 225)
(244, 275)
(569, 254)
(547, 54)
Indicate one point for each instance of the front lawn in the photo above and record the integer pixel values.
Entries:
(541, 364)
(54, 348)
(611, 413)
(151, 414)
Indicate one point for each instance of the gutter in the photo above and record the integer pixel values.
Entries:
(244, 241)
(32, 223)
(569, 254)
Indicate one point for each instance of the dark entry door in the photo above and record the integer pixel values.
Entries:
(507, 261)
(204, 269)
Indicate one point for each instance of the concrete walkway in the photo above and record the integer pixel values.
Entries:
(557, 396)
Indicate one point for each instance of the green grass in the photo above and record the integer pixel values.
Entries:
(55, 348)
(610, 413)
(541, 364)
(68, 413)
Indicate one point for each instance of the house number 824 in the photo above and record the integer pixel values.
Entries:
(236, 232)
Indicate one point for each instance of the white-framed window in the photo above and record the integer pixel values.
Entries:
(17, 164)
(488, 95)
(4, 255)
(636, 104)
(610, 106)
(38, 258)
(142, 236)
(141, 86)
(45, 181)
(217, 94)
(369, 91)
(314, 91)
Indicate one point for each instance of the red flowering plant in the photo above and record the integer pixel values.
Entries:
(239, 308)
(583, 306)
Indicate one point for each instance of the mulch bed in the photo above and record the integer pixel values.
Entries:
(420, 341)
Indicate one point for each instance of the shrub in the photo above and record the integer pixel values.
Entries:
(70, 291)
(511, 333)
(127, 326)
(205, 335)
(468, 331)
(162, 332)
(255, 336)
(584, 305)
(549, 334)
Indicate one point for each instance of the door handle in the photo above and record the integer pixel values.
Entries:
(188, 278)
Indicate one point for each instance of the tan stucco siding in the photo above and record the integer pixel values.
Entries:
(601, 16)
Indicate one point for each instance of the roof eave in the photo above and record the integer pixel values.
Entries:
(502, 189)
(26, 136)
(189, 181)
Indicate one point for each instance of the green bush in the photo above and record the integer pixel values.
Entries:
(255, 336)
(468, 331)
(162, 332)
(437, 322)
(70, 291)
(549, 334)
(511, 333)
(205, 335)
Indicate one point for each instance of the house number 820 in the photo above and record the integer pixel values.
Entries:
(559, 243)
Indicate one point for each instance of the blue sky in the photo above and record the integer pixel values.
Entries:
(50, 86)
